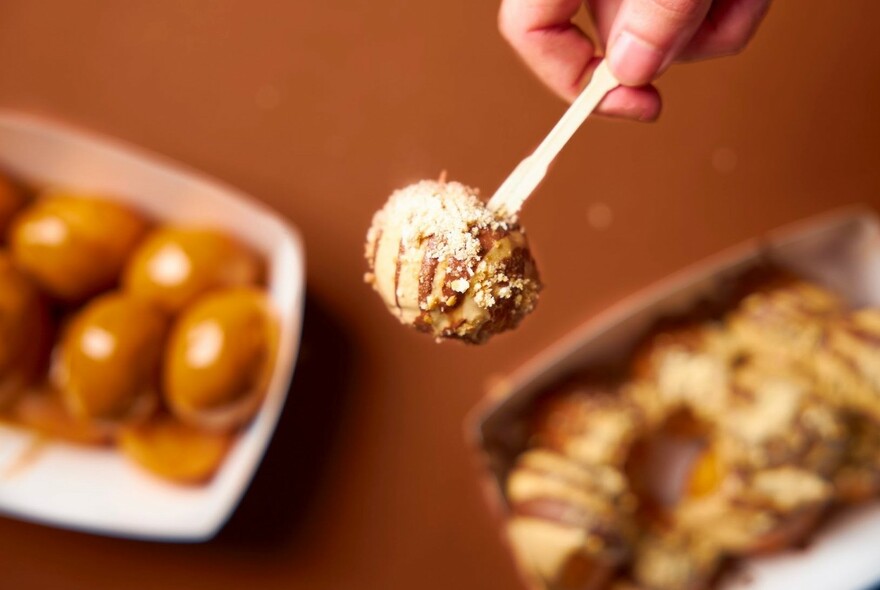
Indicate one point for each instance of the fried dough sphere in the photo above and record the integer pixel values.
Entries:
(571, 522)
(220, 357)
(25, 330)
(75, 246)
(175, 265)
(108, 362)
(173, 450)
(445, 264)
(588, 421)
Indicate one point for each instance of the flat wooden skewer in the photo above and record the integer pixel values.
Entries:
(510, 196)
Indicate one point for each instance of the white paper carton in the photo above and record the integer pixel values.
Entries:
(840, 250)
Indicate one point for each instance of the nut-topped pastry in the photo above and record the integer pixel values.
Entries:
(747, 512)
(774, 416)
(764, 413)
(674, 561)
(591, 422)
(764, 478)
(785, 318)
(571, 523)
(446, 265)
(848, 366)
(688, 367)
(858, 478)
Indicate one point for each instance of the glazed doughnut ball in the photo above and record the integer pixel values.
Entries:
(75, 246)
(220, 357)
(107, 366)
(173, 450)
(446, 265)
(174, 265)
(25, 330)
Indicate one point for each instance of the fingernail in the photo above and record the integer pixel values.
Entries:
(633, 60)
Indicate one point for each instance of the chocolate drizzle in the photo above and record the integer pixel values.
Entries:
(427, 273)
(870, 338)
(401, 249)
(374, 246)
(553, 510)
(456, 271)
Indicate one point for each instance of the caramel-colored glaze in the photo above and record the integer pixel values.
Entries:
(175, 265)
(175, 451)
(107, 367)
(25, 330)
(219, 358)
(45, 413)
(75, 246)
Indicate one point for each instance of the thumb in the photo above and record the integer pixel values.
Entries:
(647, 34)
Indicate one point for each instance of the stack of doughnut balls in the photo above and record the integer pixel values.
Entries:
(722, 437)
(115, 330)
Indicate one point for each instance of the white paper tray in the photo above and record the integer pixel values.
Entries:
(98, 490)
(840, 250)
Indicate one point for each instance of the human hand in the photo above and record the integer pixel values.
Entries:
(642, 38)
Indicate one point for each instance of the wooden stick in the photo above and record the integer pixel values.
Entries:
(510, 196)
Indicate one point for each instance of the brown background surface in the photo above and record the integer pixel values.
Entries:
(321, 109)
